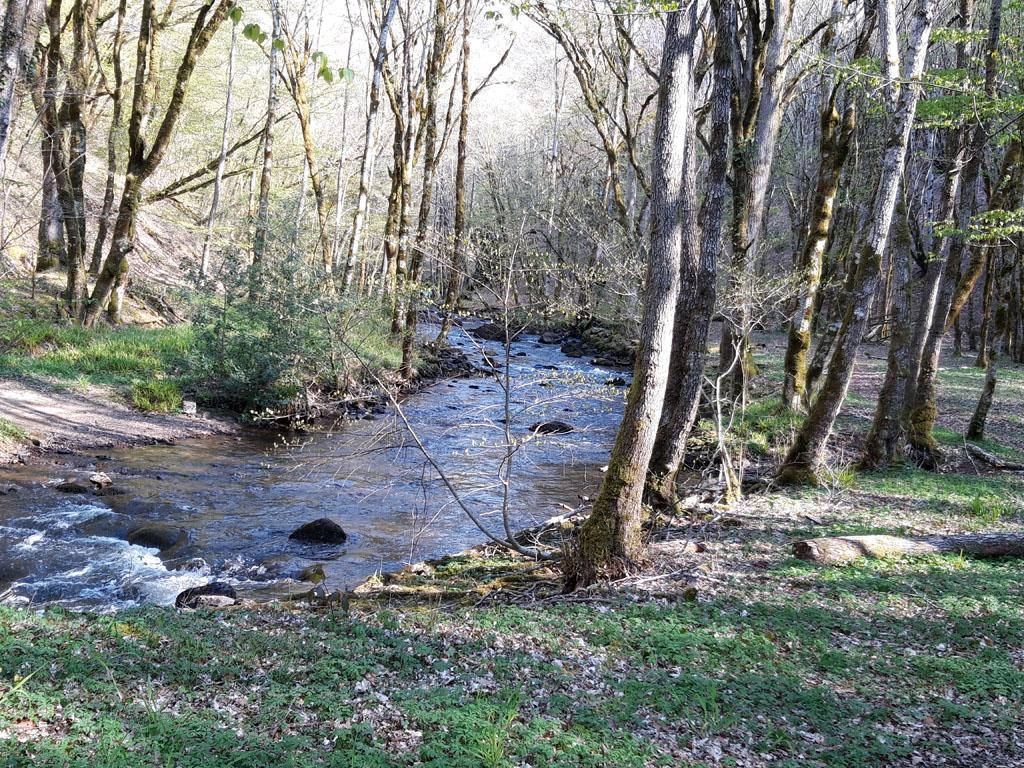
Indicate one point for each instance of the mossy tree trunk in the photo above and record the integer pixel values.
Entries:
(117, 107)
(922, 411)
(835, 143)
(807, 454)
(611, 537)
(65, 134)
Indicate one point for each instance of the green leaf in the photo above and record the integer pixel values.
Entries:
(235, 14)
(279, 44)
(252, 31)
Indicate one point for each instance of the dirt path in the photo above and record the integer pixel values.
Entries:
(78, 421)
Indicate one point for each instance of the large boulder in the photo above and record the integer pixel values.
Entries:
(322, 531)
(552, 427)
(74, 485)
(574, 348)
(166, 538)
(111, 525)
(551, 337)
(84, 482)
(493, 332)
(216, 594)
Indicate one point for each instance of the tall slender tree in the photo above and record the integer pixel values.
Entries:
(611, 537)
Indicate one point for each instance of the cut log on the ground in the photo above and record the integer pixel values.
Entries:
(992, 460)
(837, 550)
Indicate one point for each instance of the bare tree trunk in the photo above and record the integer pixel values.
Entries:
(976, 429)
(218, 179)
(117, 100)
(887, 436)
(456, 271)
(435, 65)
(755, 136)
(262, 233)
(22, 22)
(610, 539)
(366, 164)
(698, 269)
(340, 181)
(807, 454)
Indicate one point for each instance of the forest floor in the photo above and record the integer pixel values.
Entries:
(737, 654)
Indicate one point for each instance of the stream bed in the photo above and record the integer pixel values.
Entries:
(235, 499)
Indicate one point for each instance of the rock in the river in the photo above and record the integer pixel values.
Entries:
(493, 332)
(84, 482)
(111, 525)
(610, 361)
(100, 479)
(216, 594)
(616, 381)
(158, 536)
(552, 427)
(322, 531)
(551, 337)
(313, 573)
(111, 491)
(8, 488)
(74, 485)
(574, 348)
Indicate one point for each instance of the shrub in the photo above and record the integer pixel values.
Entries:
(270, 338)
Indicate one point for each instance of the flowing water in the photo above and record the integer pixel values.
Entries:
(237, 498)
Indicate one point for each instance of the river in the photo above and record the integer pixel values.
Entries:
(236, 498)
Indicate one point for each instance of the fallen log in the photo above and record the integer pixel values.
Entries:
(838, 550)
(992, 460)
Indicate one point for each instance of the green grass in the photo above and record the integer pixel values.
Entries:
(982, 497)
(158, 396)
(850, 667)
(110, 356)
(10, 431)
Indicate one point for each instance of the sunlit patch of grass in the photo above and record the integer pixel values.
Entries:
(11, 431)
(156, 396)
(956, 493)
(766, 427)
(112, 356)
